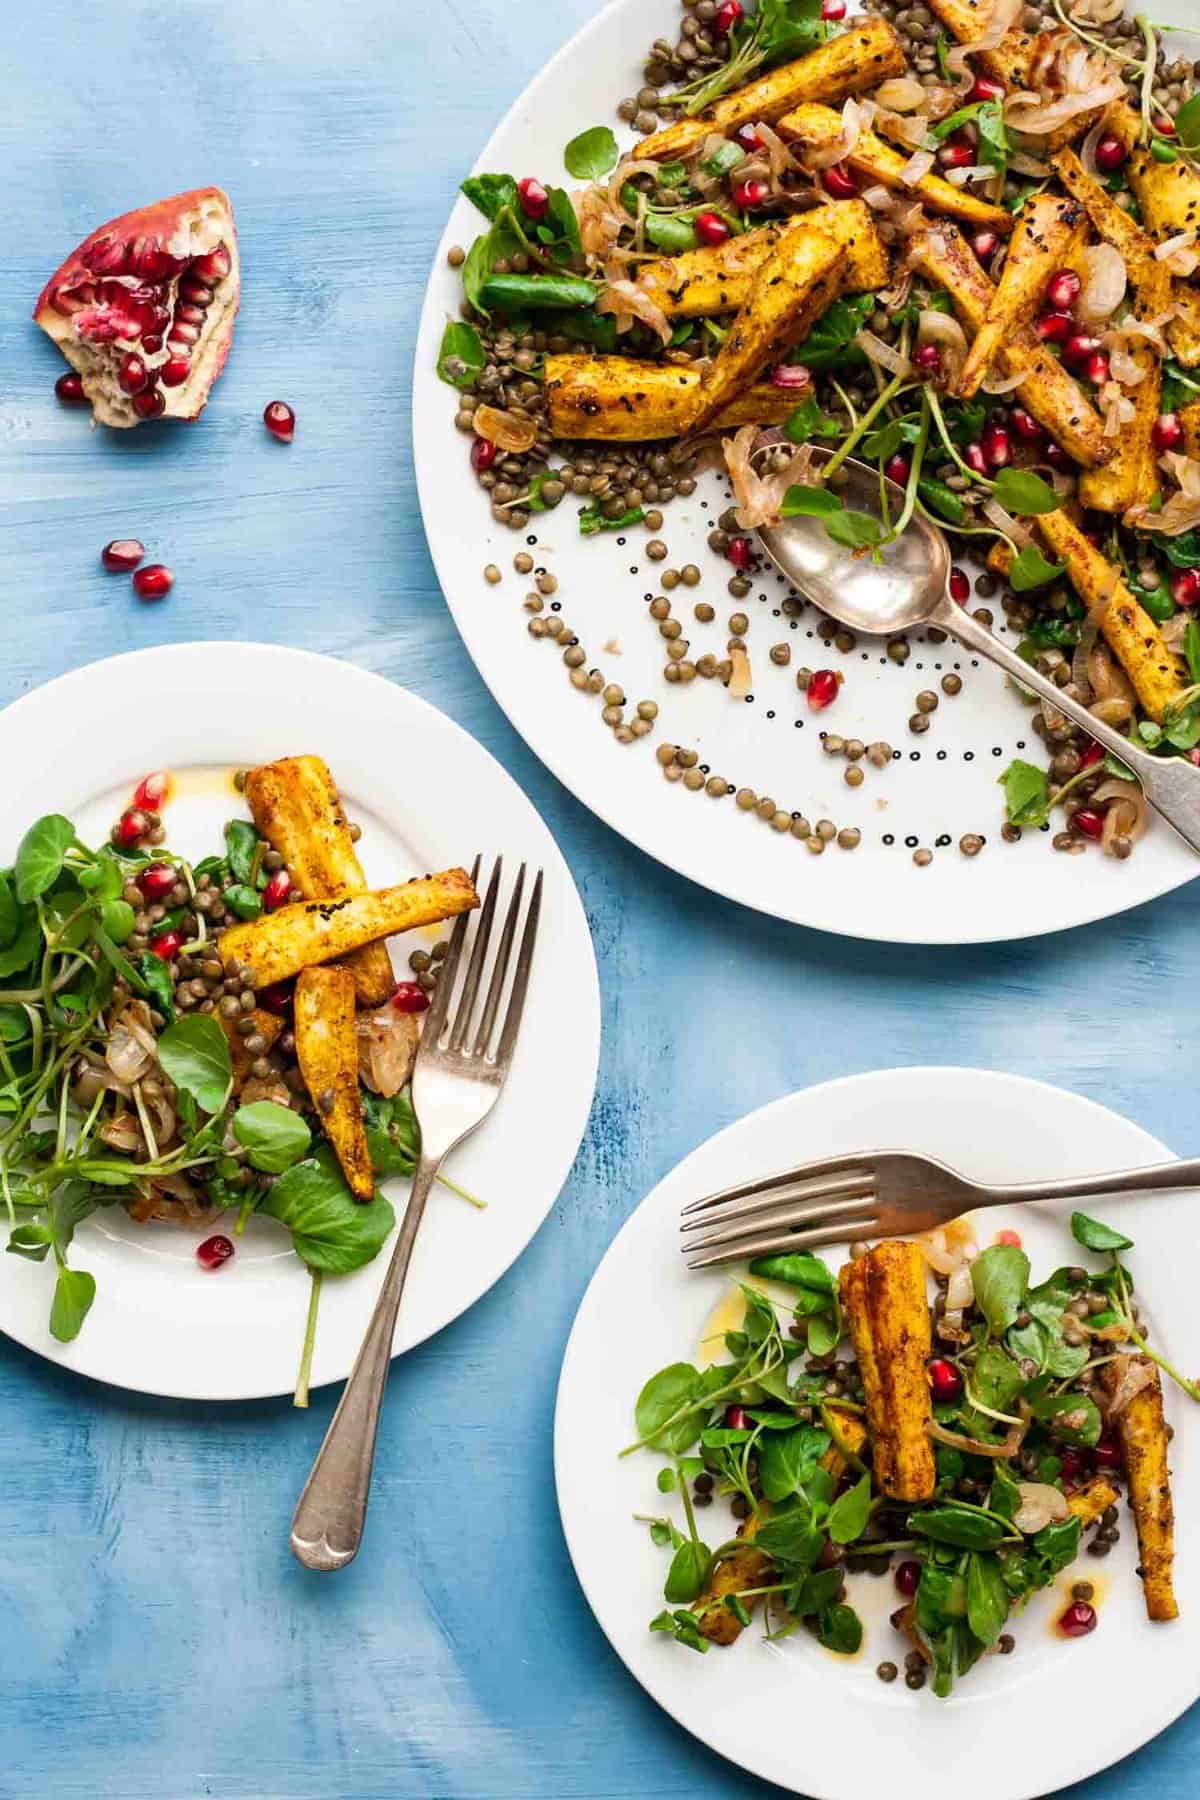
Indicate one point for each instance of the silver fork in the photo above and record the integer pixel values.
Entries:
(877, 1194)
(456, 1082)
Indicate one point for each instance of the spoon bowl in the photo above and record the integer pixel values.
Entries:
(909, 586)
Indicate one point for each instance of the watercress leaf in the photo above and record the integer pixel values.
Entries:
(331, 1231)
(74, 1292)
(1030, 569)
(808, 421)
(1031, 1343)
(824, 1334)
(462, 354)
(941, 1598)
(791, 1539)
(1000, 1276)
(1065, 1361)
(854, 530)
(117, 917)
(1094, 1235)
(672, 233)
(477, 268)
(787, 1459)
(993, 137)
(839, 1628)
(736, 1605)
(14, 1024)
(720, 1437)
(31, 1241)
(1005, 1495)
(490, 193)
(809, 502)
(1187, 124)
(70, 1203)
(195, 1055)
(667, 1481)
(273, 1136)
(987, 1598)
(1191, 636)
(818, 1590)
(20, 953)
(393, 1135)
(40, 855)
(956, 1525)
(241, 845)
(850, 1512)
(592, 520)
(797, 1269)
(660, 1533)
(995, 1379)
(156, 978)
(1021, 491)
(684, 1627)
(242, 900)
(663, 1396)
(592, 154)
(688, 1573)
(830, 344)
(1056, 1546)
(1071, 1418)
(10, 916)
(561, 215)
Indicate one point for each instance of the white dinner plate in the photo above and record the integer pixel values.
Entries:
(427, 797)
(944, 784)
(1017, 1726)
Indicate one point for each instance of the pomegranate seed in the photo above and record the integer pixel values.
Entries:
(740, 552)
(122, 555)
(1110, 153)
(960, 586)
(280, 421)
(1165, 128)
(167, 945)
(69, 389)
(214, 266)
(175, 371)
(149, 404)
(107, 256)
(1097, 368)
(1079, 349)
(986, 88)
(737, 1418)
(956, 155)
(152, 790)
(908, 1578)
(1090, 821)
(985, 245)
(945, 1382)
(153, 582)
(1010, 1238)
(1106, 1452)
(1168, 432)
(1055, 328)
(1079, 1618)
(410, 997)
(132, 374)
(535, 201)
(196, 293)
(822, 690)
(747, 139)
(975, 459)
(151, 343)
(483, 454)
(1025, 425)
(833, 10)
(711, 229)
(749, 194)
(927, 358)
(130, 828)
(1062, 291)
(1075, 1467)
(1056, 456)
(997, 447)
(276, 999)
(726, 17)
(277, 890)
(214, 1251)
(790, 375)
(839, 183)
(1091, 756)
(1185, 587)
(896, 468)
(157, 881)
(183, 333)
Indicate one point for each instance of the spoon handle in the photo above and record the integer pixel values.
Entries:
(1170, 783)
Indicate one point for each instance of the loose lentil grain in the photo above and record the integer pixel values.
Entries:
(853, 776)
(849, 837)
(739, 624)
(952, 684)
(918, 723)
(491, 574)
(523, 562)
(689, 574)
(970, 843)
(781, 655)
(693, 779)
(922, 858)
(660, 607)
(927, 701)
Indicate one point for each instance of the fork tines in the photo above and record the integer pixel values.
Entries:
(822, 1202)
(465, 1038)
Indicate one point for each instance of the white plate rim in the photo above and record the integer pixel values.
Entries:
(385, 693)
(1151, 1719)
(1096, 900)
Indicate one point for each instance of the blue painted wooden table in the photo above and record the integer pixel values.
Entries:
(159, 1643)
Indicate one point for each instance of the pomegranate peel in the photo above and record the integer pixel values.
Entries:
(158, 286)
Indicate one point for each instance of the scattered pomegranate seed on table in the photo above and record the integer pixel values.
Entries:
(122, 555)
(945, 1382)
(280, 420)
(1078, 1620)
(153, 582)
(215, 1251)
(69, 389)
(410, 997)
(821, 690)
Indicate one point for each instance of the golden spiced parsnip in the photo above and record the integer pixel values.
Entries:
(1010, 61)
(746, 1568)
(884, 1301)
(1049, 229)
(699, 283)
(1142, 1431)
(1093, 1499)
(327, 1052)
(619, 398)
(1168, 195)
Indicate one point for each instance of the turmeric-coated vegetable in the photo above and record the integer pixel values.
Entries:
(862, 56)
(1009, 61)
(327, 1052)
(1091, 1500)
(1142, 1431)
(744, 1569)
(617, 398)
(1168, 195)
(698, 283)
(884, 1300)
(1048, 229)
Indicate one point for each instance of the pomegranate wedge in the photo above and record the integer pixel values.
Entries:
(144, 308)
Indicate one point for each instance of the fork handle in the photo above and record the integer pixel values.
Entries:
(331, 1514)
(1156, 1177)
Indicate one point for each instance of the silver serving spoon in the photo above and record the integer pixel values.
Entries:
(910, 587)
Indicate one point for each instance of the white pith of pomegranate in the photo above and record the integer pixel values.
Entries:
(144, 308)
